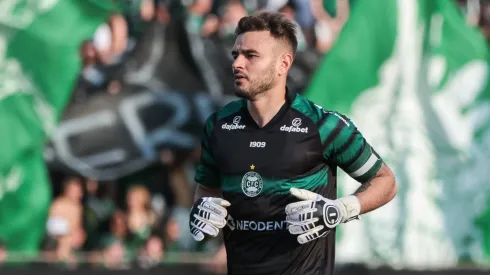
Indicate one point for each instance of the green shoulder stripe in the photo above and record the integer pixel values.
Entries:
(230, 108)
(307, 108)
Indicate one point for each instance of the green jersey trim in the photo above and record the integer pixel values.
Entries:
(267, 186)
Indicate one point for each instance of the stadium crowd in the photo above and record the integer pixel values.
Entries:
(142, 218)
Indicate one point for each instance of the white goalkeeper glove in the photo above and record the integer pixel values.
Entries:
(208, 216)
(314, 216)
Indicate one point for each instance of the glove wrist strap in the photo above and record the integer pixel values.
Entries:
(352, 208)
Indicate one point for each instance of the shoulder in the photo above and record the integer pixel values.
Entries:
(318, 114)
(230, 109)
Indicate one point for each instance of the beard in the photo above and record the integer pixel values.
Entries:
(257, 86)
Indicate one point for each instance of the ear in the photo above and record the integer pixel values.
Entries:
(286, 60)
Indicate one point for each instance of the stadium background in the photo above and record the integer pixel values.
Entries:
(412, 74)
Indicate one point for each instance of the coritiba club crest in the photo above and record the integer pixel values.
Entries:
(252, 183)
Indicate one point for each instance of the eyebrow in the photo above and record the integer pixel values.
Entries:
(249, 51)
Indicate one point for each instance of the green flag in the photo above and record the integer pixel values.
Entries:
(39, 63)
(412, 75)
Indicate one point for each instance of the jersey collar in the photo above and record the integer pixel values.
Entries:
(290, 96)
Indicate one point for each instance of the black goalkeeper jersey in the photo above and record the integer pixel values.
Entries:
(301, 147)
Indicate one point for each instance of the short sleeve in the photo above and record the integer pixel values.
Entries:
(207, 172)
(344, 146)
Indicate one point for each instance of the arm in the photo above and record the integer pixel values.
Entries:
(208, 214)
(207, 173)
(378, 191)
(347, 148)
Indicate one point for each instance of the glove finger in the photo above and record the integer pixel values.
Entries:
(205, 227)
(303, 194)
(197, 234)
(218, 201)
(298, 206)
(214, 208)
(302, 216)
(213, 219)
(313, 234)
(296, 229)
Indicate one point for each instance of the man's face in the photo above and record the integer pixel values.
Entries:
(255, 66)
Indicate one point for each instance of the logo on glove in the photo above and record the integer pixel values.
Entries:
(332, 215)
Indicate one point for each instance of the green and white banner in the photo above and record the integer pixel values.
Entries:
(39, 64)
(413, 75)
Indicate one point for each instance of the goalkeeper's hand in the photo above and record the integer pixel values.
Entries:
(314, 216)
(208, 216)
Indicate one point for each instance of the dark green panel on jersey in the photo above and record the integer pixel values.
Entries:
(346, 146)
(307, 108)
(274, 186)
(206, 157)
(208, 129)
(230, 109)
(330, 128)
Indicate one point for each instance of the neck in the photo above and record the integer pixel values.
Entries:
(264, 108)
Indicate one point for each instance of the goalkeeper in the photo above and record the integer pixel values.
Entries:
(268, 168)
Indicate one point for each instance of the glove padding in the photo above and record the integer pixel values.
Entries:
(208, 215)
(315, 216)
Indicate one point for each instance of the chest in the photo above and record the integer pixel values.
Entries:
(285, 150)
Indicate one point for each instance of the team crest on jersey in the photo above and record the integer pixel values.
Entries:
(252, 184)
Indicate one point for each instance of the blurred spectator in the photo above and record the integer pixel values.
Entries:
(3, 253)
(152, 252)
(65, 219)
(289, 9)
(141, 217)
(113, 253)
(231, 13)
(99, 207)
(304, 15)
(471, 9)
(484, 20)
(327, 28)
(172, 235)
(196, 14)
(119, 226)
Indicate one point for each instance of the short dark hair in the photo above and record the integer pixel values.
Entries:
(276, 23)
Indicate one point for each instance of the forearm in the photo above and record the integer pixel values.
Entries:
(378, 191)
(203, 191)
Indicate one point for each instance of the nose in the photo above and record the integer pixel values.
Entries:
(238, 64)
